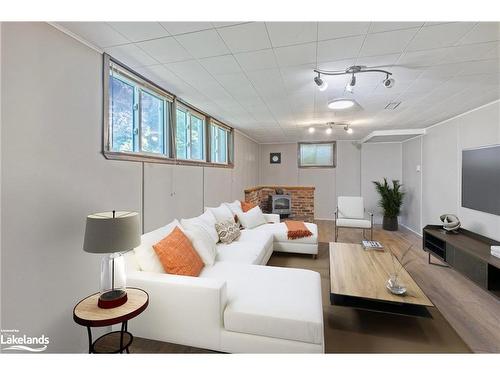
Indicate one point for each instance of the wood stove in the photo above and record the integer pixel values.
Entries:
(281, 204)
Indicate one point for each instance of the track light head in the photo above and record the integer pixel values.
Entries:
(389, 82)
(329, 130)
(322, 85)
(353, 81)
(311, 130)
(348, 129)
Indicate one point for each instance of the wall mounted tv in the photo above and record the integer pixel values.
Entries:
(481, 179)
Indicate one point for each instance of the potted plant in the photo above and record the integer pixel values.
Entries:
(391, 199)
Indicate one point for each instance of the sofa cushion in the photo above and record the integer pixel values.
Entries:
(252, 218)
(221, 213)
(250, 248)
(280, 232)
(235, 207)
(206, 221)
(275, 302)
(203, 244)
(356, 223)
(145, 255)
(177, 255)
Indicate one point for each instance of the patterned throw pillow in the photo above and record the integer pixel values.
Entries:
(228, 231)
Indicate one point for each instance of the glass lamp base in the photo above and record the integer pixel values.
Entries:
(112, 298)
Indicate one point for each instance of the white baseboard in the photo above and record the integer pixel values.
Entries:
(411, 230)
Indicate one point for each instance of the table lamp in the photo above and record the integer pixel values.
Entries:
(112, 233)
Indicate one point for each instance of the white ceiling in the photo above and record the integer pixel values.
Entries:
(258, 76)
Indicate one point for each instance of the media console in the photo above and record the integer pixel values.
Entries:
(466, 252)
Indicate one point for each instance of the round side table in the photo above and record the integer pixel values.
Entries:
(88, 314)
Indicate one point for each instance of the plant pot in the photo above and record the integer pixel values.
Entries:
(390, 223)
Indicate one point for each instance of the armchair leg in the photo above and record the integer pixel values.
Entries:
(371, 233)
(336, 232)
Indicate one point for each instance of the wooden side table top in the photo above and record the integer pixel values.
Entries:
(364, 273)
(87, 313)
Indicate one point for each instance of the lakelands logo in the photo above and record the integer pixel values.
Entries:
(12, 340)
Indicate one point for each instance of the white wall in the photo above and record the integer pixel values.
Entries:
(412, 184)
(378, 160)
(53, 174)
(288, 173)
(441, 169)
(348, 170)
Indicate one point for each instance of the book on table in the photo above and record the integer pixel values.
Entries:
(372, 245)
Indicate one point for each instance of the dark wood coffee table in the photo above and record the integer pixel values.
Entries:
(358, 279)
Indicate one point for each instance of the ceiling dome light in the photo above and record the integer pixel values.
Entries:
(329, 130)
(340, 104)
(311, 130)
(322, 85)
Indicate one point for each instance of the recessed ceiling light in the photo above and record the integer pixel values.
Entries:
(311, 130)
(340, 104)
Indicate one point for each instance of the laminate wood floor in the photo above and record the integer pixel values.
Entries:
(466, 318)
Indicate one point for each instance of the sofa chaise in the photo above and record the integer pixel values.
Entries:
(238, 304)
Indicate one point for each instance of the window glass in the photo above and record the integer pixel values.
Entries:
(181, 134)
(152, 120)
(316, 154)
(196, 138)
(219, 143)
(121, 115)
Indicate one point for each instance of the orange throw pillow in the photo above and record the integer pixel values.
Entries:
(177, 255)
(245, 206)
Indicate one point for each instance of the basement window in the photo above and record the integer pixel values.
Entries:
(219, 143)
(316, 155)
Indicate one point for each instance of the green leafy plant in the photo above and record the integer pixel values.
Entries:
(391, 198)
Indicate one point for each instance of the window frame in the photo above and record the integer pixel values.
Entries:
(229, 141)
(334, 155)
(172, 102)
(192, 113)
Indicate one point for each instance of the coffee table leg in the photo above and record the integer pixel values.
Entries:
(89, 333)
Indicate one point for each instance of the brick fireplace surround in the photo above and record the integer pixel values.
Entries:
(302, 199)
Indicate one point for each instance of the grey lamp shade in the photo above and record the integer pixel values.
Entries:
(111, 232)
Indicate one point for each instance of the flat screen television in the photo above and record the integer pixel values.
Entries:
(481, 179)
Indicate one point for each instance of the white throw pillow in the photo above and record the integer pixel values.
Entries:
(252, 218)
(235, 207)
(206, 221)
(145, 254)
(221, 213)
(203, 244)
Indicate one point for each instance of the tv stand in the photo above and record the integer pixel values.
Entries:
(466, 252)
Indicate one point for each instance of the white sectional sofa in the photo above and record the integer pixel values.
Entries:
(238, 304)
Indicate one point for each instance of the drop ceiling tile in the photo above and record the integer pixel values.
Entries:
(383, 61)
(296, 55)
(439, 36)
(245, 37)
(192, 72)
(131, 55)
(482, 32)
(225, 24)
(138, 31)
(201, 44)
(377, 27)
(339, 49)
(422, 58)
(98, 33)
(289, 33)
(335, 30)
(165, 50)
(387, 43)
(176, 28)
(221, 64)
(468, 52)
(256, 60)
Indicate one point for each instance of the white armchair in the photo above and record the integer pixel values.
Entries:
(350, 213)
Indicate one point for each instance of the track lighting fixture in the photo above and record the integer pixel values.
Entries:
(322, 85)
(352, 70)
(311, 130)
(329, 130)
